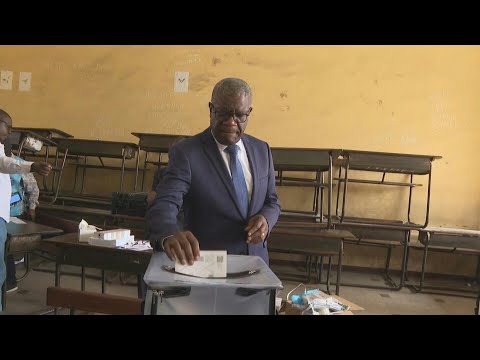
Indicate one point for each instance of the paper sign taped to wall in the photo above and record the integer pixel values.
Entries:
(181, 81)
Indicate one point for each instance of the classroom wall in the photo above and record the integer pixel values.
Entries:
(408, 99)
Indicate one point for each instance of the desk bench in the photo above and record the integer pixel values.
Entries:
(68, 250)
(449, 240)
(314, 161)
(93, 302)
(24, 239)
(380, 233)
(312, 241)
(104, 217)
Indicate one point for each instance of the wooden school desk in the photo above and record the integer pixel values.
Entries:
(23, 239)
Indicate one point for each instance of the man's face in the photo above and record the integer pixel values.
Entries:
(5, 128)
(229, 117)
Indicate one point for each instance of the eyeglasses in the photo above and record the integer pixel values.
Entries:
(222, 116)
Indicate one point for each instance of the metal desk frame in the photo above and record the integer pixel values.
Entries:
(317, 161)
(84, 148)
(449, 240)
(393, 232)
(48, 133)
(103, 218)
(153, 143)
(392, 163)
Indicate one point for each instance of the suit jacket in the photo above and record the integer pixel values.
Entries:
(197, 179)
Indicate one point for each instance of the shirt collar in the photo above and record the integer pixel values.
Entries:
(222, 147)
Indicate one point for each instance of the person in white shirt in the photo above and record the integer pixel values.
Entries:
(8, 166)
(25, 194)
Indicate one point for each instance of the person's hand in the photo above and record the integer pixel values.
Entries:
(41, 168)
(31, 214)
(257, 229)
(183, 247)
(151, 197)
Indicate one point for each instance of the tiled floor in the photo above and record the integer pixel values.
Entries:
(31, 294)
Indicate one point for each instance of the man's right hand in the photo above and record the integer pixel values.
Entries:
(41, 168)
(183, 247)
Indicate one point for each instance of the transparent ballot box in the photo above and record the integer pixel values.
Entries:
(248, 289)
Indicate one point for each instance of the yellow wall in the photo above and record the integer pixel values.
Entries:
(409, 99)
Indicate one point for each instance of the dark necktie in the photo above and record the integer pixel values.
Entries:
(238, 179)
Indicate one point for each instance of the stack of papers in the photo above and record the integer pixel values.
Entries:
(111, 238)
(319, 302)
(139, 245)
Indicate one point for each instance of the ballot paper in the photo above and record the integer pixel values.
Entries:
(139, 245)
(210, 264)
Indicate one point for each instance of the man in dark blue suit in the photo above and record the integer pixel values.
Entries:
(225, 182)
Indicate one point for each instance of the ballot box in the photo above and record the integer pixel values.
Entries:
(248, 289)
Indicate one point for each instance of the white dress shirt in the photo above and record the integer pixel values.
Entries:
(242, 156)
(9, 166)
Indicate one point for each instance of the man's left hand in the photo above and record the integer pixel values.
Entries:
(257, 229)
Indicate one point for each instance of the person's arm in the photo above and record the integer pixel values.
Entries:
(32, 190)
(162, 215)
(157, 178)
(165, 234)
(10, 165)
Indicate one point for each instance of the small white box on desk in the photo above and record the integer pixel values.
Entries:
(111, 238)
(114, 234)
